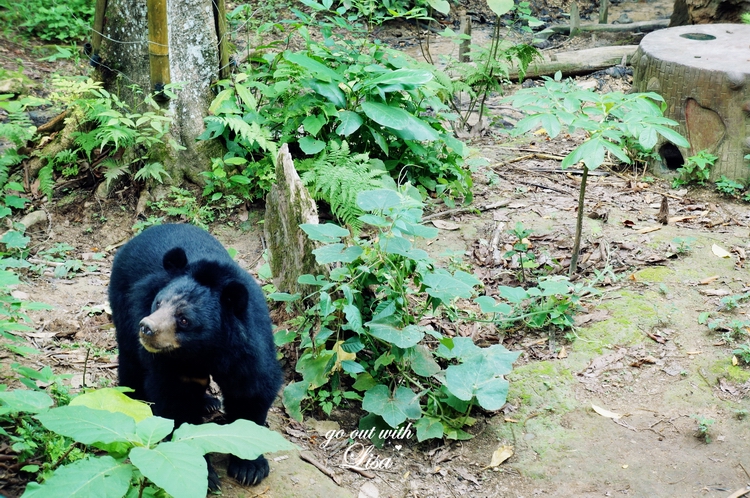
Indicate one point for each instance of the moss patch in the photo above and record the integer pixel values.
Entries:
(654, 274)
(733, 373)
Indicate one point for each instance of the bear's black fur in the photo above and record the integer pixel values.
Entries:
(184, 312)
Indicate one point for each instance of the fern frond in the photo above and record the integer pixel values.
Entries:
(46, 179)
(113, 170)
(337, 176)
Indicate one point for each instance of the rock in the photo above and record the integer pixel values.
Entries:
(12, 85)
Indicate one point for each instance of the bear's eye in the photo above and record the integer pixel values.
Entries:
(183, 321)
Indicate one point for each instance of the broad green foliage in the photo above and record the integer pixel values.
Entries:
(489, 69)
(378, 101)
(366, 339)
(696, 169)
(626, 126)
(129, 136)
(137, 457)
(58, 20)
(615, 123)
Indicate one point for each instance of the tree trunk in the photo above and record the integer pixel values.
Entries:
(707, 11)
(193, 61)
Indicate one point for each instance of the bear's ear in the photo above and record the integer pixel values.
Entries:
(234, 296)
(175, 260)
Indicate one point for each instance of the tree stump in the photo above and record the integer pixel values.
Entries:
(702, 73)
(288, 205)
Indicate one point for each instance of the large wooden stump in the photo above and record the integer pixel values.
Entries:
(702, 73)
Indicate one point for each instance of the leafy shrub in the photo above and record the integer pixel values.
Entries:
(137, 458)
(622, 125)
(365, 339)
(130, 135)
(61, 20)
(729, 187)
(379, 101)
(696, 169)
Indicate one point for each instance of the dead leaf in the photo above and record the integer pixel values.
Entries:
(500, 455)
(368, 490)
(563, 353)
(735, 362)
(605, 413)
(708, 280)
(714, 292)
(445, 225)
(720, 252)
(648, 229)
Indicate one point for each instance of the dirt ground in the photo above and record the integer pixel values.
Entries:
(612, 411)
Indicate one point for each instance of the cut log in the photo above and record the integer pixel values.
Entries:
(633, 27)
(702, 73)
(578, 62)
(288, 205)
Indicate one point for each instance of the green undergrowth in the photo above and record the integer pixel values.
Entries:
(370, 335)
(103, 443)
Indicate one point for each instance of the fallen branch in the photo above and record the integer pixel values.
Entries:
(468, 209)
(577, 62)
(635, 27)
(307, 458)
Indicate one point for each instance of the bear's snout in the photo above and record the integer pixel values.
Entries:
(158, 331)
(146, 328)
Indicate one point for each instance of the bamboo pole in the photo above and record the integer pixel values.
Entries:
(158, 46)
(96, 39)
(220, 13)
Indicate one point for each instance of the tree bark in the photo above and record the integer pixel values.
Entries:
(193, 62)
(707, 11)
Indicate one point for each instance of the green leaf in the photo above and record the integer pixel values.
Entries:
(101, 477)
(428, 428)
(364, 382)
(411, 77)
(114, 401)
(284, 297)
(350, 122)
(402, 338)
(176, 467)
(14, 240)
(21, 400)
(242, 438)
(318, 69)
(421, 361)
(441, 6)
(330, 91)
(512, 294)
(352, 367)
(327, 233)
(500, 7)
(488, 304)
(313, 368)
(89, 426)
(293, 395)
(394, 408)
(310, 145)
(378, 200)
(445, 287)
(395, 118)
(470, 379)
(337, 253)
(153, 429)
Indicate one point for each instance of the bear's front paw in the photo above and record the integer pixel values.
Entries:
(248, 472)
(213, 477)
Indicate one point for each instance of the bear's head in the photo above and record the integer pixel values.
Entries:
(190, 312)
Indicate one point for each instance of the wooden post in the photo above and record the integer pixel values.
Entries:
(220, 15)
(96, 39)
(575, 19)
(603, 11)
(464, 29)
(158, 46)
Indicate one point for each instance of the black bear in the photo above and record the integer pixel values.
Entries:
(185, 312)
